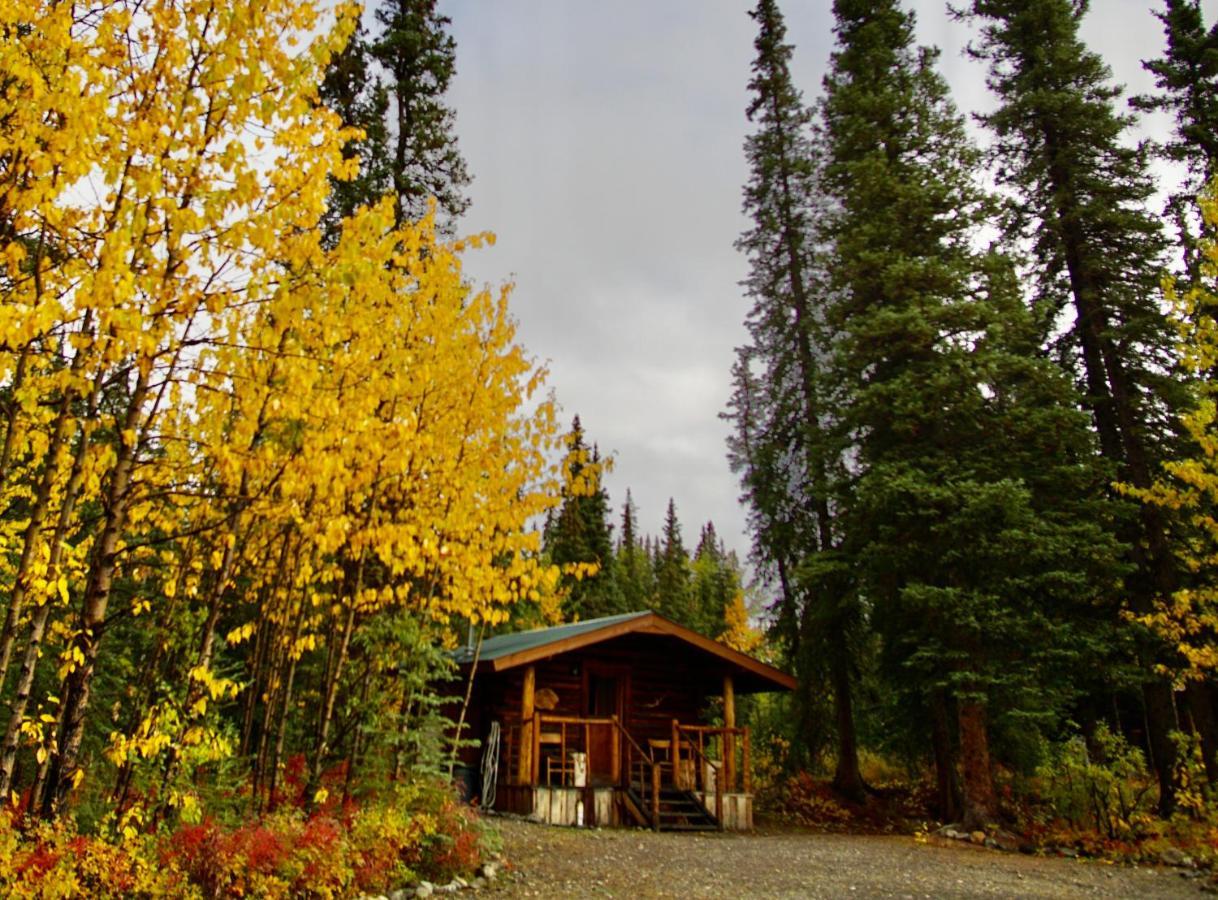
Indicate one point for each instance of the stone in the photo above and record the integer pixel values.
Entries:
(1004, 840)
(1068, 852)
(977, 837)
(425, 889)
(402, 894)
(489, 871)
(478, 883)
(460, 882)
(1174, 856)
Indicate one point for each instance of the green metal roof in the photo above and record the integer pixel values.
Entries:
(507, 644)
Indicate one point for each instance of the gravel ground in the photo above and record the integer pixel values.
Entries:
(546, 861)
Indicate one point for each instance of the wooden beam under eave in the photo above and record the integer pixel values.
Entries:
(528, 692)
(729, 739)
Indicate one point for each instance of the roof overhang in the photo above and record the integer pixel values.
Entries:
(761, 676)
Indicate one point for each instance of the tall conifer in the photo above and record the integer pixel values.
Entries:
(579, 536)
(970, 521)
(392, 85)
(1081, 196)
(781, 444)
(1187, 80)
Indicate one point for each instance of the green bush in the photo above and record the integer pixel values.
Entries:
(1101, 785)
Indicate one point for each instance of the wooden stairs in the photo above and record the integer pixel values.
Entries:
(680, 810)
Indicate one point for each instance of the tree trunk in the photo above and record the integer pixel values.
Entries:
(1110, 399)
(1200, 698)
(980, 801)
(847, 780)
(40, 511)
(33, 645)
(330, 695)
(947, 778)
(78, 685)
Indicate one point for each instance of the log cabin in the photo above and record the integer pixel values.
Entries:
(605, 722)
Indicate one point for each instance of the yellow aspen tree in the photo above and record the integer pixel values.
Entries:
(1189, 618)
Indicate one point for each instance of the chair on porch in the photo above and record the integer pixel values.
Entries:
(661, 752)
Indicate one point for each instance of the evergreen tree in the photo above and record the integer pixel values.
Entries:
(633, 570)
(715, 583)
(579, 536)
(782, 444)
(970, 521)
(1081, 196)
(409, 146)
(352, 90)
(672, 574)
(1187, 78)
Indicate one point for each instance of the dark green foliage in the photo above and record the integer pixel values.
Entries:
(419, 57)
(1187, 79)
(784, 445)
(715, 583)
(971, 523)
(1080, 200)
(392, 86)
(632, 563)
(352, 90)
(580, 533)
(674, 597)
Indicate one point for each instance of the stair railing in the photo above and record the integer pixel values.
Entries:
(649, 770)
(702, 764)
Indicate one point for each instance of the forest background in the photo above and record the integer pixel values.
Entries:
(267, 452)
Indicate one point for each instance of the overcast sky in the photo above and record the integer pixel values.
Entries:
(605, 140)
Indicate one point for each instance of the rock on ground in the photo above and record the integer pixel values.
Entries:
(545, 861)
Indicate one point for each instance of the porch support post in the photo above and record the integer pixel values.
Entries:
(528, 727)
(729, 738)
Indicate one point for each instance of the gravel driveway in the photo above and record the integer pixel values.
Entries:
(547, 861)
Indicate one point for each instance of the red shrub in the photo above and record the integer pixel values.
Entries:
(37, 863)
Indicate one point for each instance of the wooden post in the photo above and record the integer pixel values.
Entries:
(719, 798)
(536, 755)
(615, 751)
(655, 796)
(674, 755)
(562, 755)
(747, 765)
(729, 737)
(528, 728)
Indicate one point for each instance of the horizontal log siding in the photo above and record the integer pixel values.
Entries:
(667, 680)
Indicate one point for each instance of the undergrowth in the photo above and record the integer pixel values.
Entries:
(336, 850)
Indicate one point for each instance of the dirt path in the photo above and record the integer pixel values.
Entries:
(565, 862)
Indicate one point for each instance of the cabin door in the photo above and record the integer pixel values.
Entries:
(605, 696)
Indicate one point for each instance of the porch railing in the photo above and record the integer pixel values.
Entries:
(728, 749)
(710, 759)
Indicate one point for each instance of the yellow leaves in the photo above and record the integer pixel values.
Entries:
(240, 634)
(216, 688)
(1188, 618)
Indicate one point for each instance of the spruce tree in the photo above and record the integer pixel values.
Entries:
(353, 91)
(392, 85)
(1081, 196)
(672, 574)
(579, 536)
(715, 583)
(633, 571)
(782, 444)
(419, 56)
(1187, 79)
(972, 522)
